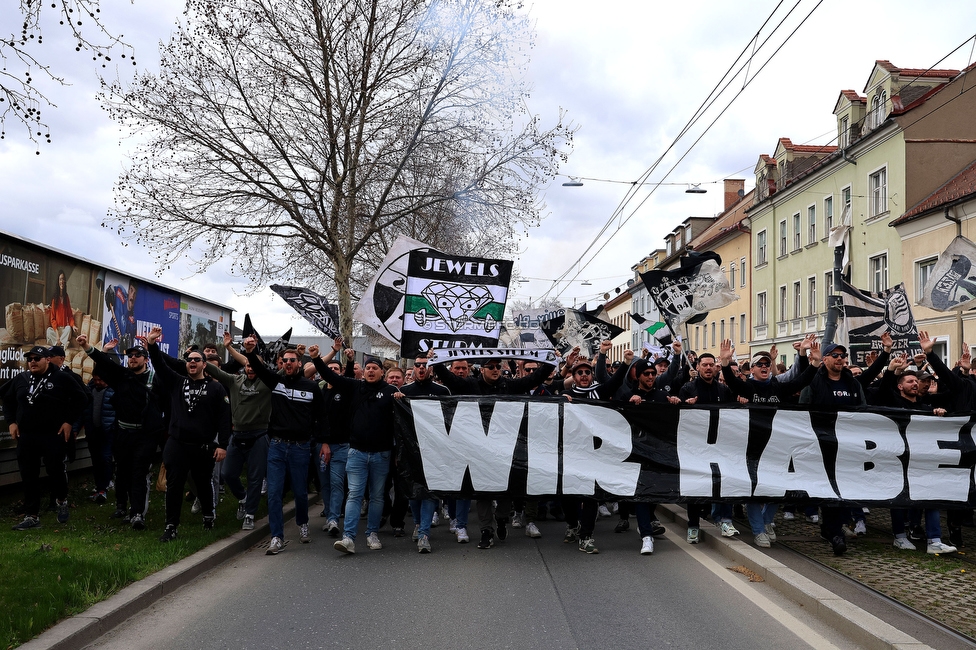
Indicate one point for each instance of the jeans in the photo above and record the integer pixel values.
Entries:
(361, 468)
(287, 457)
(257, 468)
(423, 513)
(933, 525)
(459, 510)
(337, 480)
(644, 512)
(721, 512)
(759, 515)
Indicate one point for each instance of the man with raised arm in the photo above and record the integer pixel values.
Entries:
(139, 426)
(250, 409)
(199, 431)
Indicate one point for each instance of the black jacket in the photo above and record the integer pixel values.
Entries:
(208, 417)
(298, 411)
(370, 409)
(40, 404)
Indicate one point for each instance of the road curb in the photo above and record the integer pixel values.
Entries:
(862, 627)
(87, 627)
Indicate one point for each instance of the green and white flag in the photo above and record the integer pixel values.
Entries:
(453, 302)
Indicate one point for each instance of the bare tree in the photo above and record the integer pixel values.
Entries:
(302, 138)
(20, 98)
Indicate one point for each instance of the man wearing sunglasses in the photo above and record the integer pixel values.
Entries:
(139, 427)
(39, 406)
(761, 389)
(199, 411)
(491, 382)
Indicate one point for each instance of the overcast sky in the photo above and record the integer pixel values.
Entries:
(630, 74)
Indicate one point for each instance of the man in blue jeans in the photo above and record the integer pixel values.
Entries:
(370, 403)
(297, 414)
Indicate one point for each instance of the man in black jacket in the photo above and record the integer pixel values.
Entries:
(298, 414)
(39, 406)
(139, 427)
(370, 445)
(199, 432)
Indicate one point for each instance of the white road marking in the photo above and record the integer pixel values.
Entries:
(804, 632)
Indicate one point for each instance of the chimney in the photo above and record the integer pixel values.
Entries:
(732, 188)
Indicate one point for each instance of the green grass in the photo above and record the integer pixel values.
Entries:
(62, 569)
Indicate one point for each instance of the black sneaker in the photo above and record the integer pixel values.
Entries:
(169, 534)
(63, 512)
(839, 544)
(119, 513)
(138, 522)
(622, 525)
(397, 532)
(502, 529)
(657, 529)
(208, 523)
(487, 539)
(99, 497)
(28, 523)
(955, 536)
(916, 534)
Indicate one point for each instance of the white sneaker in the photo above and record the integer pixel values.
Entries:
(517, 520)
(614, 507)
(241, 510)
(728, 530)
(771, 532)
(435, 521)
(264, 486)
(937, 548)
(303, 536)
(374, 543)
(647, 545)
(603, 511)
(788, 516)
(462, 535)
(445, 513)
(416, 532)
(860, 529)
(275, 546)
(904, 544)
(762, 540)
(814, 519)
(453, 527)
(197, 507)
(345, 545)
(248, 522)
(531, 530)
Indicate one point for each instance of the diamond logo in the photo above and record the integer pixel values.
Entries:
(456, 304)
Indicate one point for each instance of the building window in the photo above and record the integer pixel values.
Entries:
(879, 108)
(731, 329)
(845, 195)
(697, 338)
(713, 333)
(845, 131)
(828, 288)
(878, 187)
(812, 296)
(782, 238)
(878, 268)
(796, 299)
(923, 271)
(828, 214)
(668, 246)
(796, 231)
(783, 309)
(760, 247)
(688, 235)
(742, 267)
(742, 322)
(722, 325)
(760, 309)
(705, 335)
(811, 224)
(732, 275)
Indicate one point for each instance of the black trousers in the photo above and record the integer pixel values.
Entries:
(134, 450)
(183, 460)
(32, 449)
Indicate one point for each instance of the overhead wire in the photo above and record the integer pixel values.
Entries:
(706, 104)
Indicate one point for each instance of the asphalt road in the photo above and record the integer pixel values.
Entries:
(523, 593)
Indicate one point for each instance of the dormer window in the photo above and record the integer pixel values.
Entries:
(845, 132)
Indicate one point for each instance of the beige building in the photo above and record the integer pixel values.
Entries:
(926, 229)
(910, 131)
(729, 236)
